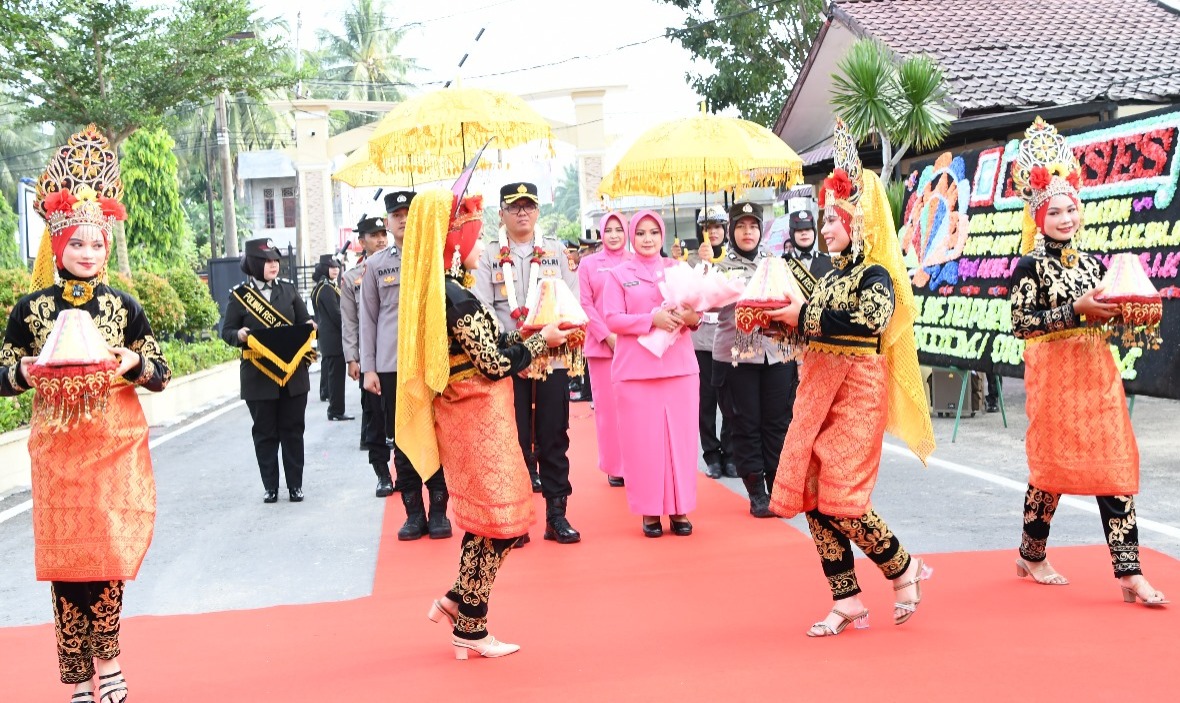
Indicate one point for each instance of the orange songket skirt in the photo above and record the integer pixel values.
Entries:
(475, 422)
(1080, 439)
(94, 495)
(833, 447)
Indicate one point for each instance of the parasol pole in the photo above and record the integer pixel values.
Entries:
(463, 138)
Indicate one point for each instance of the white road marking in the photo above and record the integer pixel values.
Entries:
(1089, 506)
(204, 419)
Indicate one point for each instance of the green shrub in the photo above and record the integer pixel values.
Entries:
(200, 311)
(124, 283)
(14, 284)
(163, 306)
(186, 358)
(15, 411)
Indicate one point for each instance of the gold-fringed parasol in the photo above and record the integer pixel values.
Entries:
(451, 124)
(700, 153)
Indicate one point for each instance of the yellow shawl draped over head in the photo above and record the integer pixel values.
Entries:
(423, 364)
(909, 412)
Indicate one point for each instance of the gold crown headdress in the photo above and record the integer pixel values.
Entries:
(842, 189)
(1045, 167)
(80, 186)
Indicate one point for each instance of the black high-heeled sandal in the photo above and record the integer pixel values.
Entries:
(107, 691)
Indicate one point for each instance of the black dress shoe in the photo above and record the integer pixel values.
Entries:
(681, 528)
(521, 541)
(535, 480)
(992, 406)
(615, 481)
(713, 470)
(296, 495)
(731, 469)
(270, 497)
(653, 529)
(338, 418)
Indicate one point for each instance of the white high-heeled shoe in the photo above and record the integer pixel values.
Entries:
(489, 647)
(437, 612)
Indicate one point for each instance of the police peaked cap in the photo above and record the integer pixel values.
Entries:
(398, 200)
(263, 248)
(515, 191)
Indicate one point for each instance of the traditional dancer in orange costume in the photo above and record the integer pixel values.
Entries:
(94, 497)
(859, 326)
(459, 412)
(1080, 438)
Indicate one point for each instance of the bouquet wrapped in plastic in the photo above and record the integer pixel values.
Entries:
(701, 288)
(74, 372)
(771, 287)
(553, 301)
(1140, 306)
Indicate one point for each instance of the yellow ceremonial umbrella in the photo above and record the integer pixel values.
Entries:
(697, 153)
(360, 171)
(454, 121)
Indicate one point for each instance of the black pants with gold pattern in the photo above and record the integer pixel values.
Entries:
(1118, 522)
(478, 563)
(834, 536)
(86, 614)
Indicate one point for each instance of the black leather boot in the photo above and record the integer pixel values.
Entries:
(759, 499)
(384, 481)
(534, 478)
(557, 528)
(415, 526)
(438, 525)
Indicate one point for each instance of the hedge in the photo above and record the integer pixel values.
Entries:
(184, 359)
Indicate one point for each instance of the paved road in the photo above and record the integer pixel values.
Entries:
(217, 546)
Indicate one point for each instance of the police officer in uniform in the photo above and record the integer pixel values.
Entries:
(803, 252)
(542, 406)
(325, 300)
(380, 286)
(759, 389)
(277, 411)
(371, 235)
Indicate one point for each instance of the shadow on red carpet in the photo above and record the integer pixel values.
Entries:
(716, 616)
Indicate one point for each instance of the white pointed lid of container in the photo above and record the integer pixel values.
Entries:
(771, 282)
(553, 301)
(1126, 278)
(74, 341)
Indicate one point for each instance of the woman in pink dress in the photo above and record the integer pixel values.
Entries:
(600, 341)
(657, 397)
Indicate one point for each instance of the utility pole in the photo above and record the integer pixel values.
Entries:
(229, 223)
(209, 195)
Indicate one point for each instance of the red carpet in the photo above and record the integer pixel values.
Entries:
(716, 616)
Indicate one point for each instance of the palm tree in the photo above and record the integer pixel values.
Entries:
(362, 62)
(901, 104)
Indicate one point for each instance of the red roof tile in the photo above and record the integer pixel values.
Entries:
(1015, 54)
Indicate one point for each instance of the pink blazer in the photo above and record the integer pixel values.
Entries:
(593, 271)
(628, 301)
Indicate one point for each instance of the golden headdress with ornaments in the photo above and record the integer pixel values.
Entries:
(860, 193)
(80, 187)
(1045, 167)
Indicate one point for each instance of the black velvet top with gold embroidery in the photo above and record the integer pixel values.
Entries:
(118, 316)
(1044, 287)
(479, 344)
(849, 308)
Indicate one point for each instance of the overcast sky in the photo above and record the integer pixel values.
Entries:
(521, 34)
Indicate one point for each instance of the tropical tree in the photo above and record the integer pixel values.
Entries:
(122, 64)
(362, 62)
(9, 251)
(899, 105)
(157, 230)
(754, 50)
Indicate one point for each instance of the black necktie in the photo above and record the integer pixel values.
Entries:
(267, 285)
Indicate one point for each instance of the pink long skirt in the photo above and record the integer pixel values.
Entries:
(658, 434)
(606, 420)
